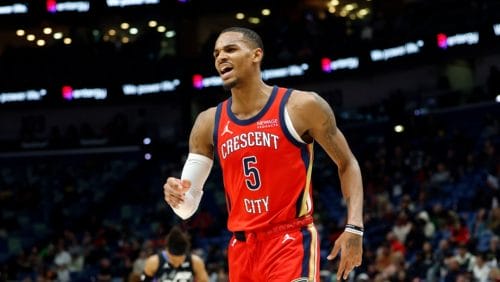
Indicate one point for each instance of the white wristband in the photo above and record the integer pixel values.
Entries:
(196, 170)
(351, 230)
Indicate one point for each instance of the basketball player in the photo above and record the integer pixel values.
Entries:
(263, 138)
(175, 263)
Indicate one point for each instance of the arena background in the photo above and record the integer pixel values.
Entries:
(97, 99)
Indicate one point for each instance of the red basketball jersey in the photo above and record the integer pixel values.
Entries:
(266, 171)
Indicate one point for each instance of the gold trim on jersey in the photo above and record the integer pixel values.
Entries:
(306, 205)
(313, 257)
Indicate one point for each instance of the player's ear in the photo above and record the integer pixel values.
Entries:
(258, 54)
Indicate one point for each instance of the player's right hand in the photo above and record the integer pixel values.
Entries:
(174, 191)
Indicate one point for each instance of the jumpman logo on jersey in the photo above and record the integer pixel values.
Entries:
(286, 238)
(226, 129)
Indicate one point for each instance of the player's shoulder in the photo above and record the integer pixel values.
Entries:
(154, 258)
(207, 115)
(196, 259)
(152, 263)
(302, 98)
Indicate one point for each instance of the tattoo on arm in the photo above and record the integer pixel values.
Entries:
(329, 131)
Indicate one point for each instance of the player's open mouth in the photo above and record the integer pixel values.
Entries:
(224, 71)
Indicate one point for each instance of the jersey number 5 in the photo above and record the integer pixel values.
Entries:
(251, 173)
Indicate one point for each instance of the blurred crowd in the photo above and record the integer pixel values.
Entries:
(431, 206)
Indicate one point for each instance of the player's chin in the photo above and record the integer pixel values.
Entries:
(229, 84)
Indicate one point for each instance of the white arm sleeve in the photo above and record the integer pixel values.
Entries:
(196, 169)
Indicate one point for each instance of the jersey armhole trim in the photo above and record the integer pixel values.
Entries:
(286, 121)
(290, 128)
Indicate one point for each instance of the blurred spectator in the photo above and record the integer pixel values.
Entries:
(481, 270)
(62, 261)
(495, 274)
(441, 175)
(479, 226)
(77, 261)
(422, 263)
(104, 273)
(402, 227)
(383, 257)
(428, 226)
(415, 239)
(464, 258)
(220, 275)
(494, 220)
(138, 266)
(440, 257)
(460, 234)
(453, 271)
(493, 252)
(394, 270)
(396, 246)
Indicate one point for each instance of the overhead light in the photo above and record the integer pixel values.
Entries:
(20, 32)
(333, 3)
(152, 23)
(47, 30)
(399, 128)
(170, 34)
(124, 25)
(30, 37)
(58, 35)
(133, 30)
(125, 40)
(240, 16)
(363, 12)
(254, 20)
(161, 28)
(266, 12)
(67, 40)
(40, 42)
(332, 10)
(112, 32)
(350, 7)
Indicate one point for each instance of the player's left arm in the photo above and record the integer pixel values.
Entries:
(313, 118)
(200, 272)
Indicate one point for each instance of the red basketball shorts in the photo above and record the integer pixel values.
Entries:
(285, 253)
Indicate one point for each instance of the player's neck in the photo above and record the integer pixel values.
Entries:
(248, 100)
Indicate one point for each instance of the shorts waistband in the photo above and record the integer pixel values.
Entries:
(277, 228)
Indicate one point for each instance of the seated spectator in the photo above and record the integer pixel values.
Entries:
(428, 226)
(481, 270)
(464, 258)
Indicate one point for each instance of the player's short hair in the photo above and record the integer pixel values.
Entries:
(252, 36)
(177, 242)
